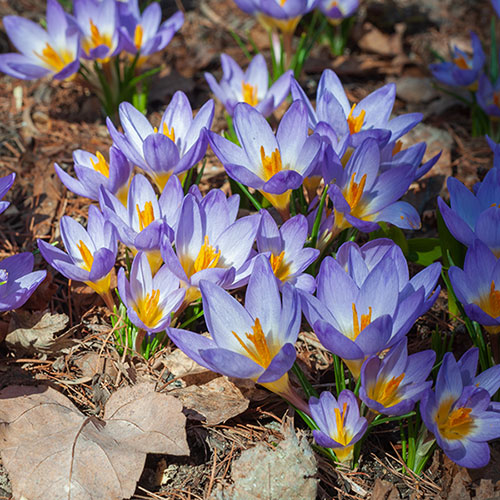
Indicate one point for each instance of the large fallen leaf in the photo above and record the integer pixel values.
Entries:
(36, 333)
(52, 451)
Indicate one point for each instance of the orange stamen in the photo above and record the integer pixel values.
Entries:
(258, 351)
(207, 257)
(249, 94)
(147, 309)
(101, 166)
(355, 123)
(54, 60)
(271, 164)
(146, 216)
(355, 191)
(138, 34)
(365, 321)
(461, 62)
(454, 424)
(87, 256)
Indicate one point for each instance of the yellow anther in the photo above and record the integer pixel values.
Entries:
(461, 62)
(355, 122)
(456, 423)
(397, 148)
(365, 320)
(101, 165)
(138, 34)
(257, 350)
(170, 133)
(343, 436)
(249, 94)
(386, 392)
(271, 164)
(96, 38)
(280, 267)
(54, 60)
(147, 309)
(282, 2)
(207, 257)
(490, 303)
(145, 216)
(355, 191)
(87, 256)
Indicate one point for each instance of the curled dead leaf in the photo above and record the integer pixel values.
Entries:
(35, 333)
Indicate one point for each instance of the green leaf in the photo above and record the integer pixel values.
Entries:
(393, 233)
(449, 245)
(424, 251)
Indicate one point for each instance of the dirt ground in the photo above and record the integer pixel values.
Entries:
(42, 122)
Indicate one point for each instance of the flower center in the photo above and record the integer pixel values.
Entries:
(461, 62)
(271, 164)
(249, 94)
(366, 319)
(355, 191)
(87, 257)
(386, 392)
(397, 148)
(279, 266)
(145, 216)
(343, 436)
(55, 60)
(147, 308)
(101, 165)
(257, 349)
(282, 2)
(490, 303)
(355, 123)
(96, 38)
(207, 258)
(454, 424)
(170, 133)
(138, 34)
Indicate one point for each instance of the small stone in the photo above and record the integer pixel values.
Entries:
(415, 90)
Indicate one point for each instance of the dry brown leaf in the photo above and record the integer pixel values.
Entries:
(51, 450)
(182, 366)
(35, 333)
(215, 402)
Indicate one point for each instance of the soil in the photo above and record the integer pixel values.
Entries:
(42, 122)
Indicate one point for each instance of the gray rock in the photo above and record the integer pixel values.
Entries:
(286, 472)
(415, 90)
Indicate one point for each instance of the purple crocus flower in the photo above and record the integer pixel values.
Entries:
(91, 252)
(358, 262)
(251, 86)
(18, 280)
(477, 286)
(496, 6)
(459, 417)
(5, 184)
(462, 70)
(353, 319)
(393, 386)
(150, 300)
(474, 215)
(277, 14)
(143, 32)
(142, 223)
(93, 171)
(53, 52)
(342, 124)
(489, 380)
(287, 255)
(178, 144)
(337, 10)
(488, 96)
(210, 244)
(364, 195)
(272, 164)
(339, 422)
(98, 22)
(255, 341)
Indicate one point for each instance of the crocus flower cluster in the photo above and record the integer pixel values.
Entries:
(97, 31)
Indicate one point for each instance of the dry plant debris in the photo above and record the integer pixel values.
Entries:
(52, 451)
